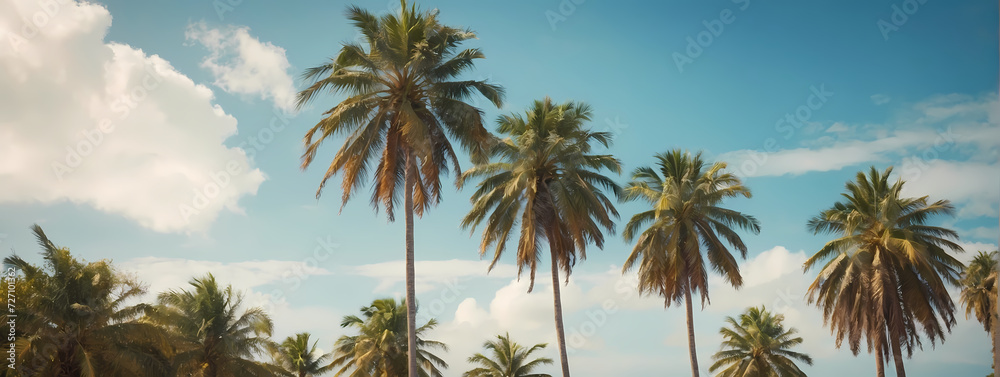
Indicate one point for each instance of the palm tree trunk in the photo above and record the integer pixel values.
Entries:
(897, 357)
(690, 325)
(879, 364)
(557, 303)
(996, 325)
(411, 300)
(996, 342)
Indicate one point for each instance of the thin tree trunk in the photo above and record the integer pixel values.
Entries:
(996, 325)
(897, 357)
(879, 364)
(411, 300)
(690, 325)
(557, 303)
(996, 341)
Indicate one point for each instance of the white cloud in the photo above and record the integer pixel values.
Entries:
(800, 160)
(242, 64)
(108, 126)
(771, 265)
(250, 278)
(972, 249)
(974, 187)
(946, 147)
(982, 233)
(838, 127)
(880, 99)
(242, 275)
(431, 274)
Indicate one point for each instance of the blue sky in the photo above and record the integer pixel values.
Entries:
(191, 87)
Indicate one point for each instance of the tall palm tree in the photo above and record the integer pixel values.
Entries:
(685, 194)
(886, 275)
(213, 335)
(548, 181)
(979, 293)
(73, 320)
(381, 348)
(758, 346)
(404, 101)
(298, 358)
(509, 359)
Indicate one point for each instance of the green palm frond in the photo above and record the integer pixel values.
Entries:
(545, 181)
(884, 279)
(380, 346)
(74, 317)
(405, 99)
(757, 345)
(211, 331)
(507, 359)
(684, 220)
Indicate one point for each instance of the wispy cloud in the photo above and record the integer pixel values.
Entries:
(433, 274)
(946, 146)
(880, 99)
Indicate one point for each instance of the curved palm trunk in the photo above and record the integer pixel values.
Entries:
(411, 300)
(690, 327)
(557, 298)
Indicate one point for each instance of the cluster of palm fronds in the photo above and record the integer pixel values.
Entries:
(79, 319)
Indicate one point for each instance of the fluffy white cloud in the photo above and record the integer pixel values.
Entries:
(972, 186)
(108, 126)
(242, 64)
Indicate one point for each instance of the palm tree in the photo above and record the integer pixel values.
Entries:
(979, 293)
(548, 182)
(73, 320)
(885, 275)
(404, 101)
(381, 348)
(758, 346)
(297, 358)
(213, 335)
(509, 360)
(685, 194)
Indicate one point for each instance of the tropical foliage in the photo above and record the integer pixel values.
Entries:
(406, 112)
(886, 275)
(213, 335)
(684, 218)
(73, 319)
(546, 179)
(507, 359)
(380, 346)
(758, 345)
(298, 358)
(979, 292)
(405, 98)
